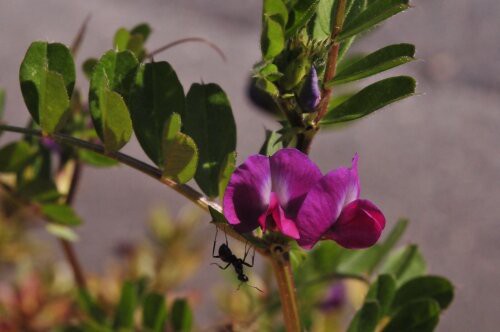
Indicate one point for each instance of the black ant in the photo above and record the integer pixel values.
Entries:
(227, 256)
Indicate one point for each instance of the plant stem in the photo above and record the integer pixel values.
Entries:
(280, 260)
(153, 172)
(67, 247)
(331, 64)
(304, 140)
(76, 268)
(187, 40)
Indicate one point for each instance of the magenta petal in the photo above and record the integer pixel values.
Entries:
(293, 174)
(323, 204)
(278, 219)
(359, 225)
(247, 194)
(321, 207)
(286, 226)
(353, 187)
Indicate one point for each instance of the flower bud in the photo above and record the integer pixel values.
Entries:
(310, 94)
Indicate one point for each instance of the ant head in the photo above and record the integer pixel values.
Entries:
(243, 278)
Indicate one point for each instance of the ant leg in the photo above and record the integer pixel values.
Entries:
(246, 251)
(253, 257)
(215, 242)
(220, 267)
(227, 243)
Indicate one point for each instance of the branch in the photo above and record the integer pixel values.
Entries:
(153, 172)
(187, 40)
(132, 162)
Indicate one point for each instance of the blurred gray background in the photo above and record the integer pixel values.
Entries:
(434, 158)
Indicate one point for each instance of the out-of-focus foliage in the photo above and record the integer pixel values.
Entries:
(139, 283)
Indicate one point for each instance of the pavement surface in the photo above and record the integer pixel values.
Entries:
(433, 158)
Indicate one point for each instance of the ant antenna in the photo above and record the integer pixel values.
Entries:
(255, 287)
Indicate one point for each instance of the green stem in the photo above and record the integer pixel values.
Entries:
(67, 246)
(280, 260)
(153, 172)
(331, 65)
(304, 140)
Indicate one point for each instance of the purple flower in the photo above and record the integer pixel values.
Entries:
(287, 193)
(310, 95)
(50, 144)
(335, 298)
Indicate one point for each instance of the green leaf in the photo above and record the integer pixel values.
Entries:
(297, 256)
(62, 232)
(371, 98)
(295, 72)
(272, 40)
(95, 159)
(375, 13)
(300, 15)
(367, 260)
(383, 291)
(434, 287)
(54, 103)
(326, 256)
(154, 312)
(267, 86)
(88, 67)
(156, 95)
(276, 10)
(47, 76)
(209, 121)
(227, 168)
(15, 156)
(2, 102)
(180, 154)
(324, 19)
(391, 239)
(416, 316)
(366, 318)
(39, 190)
(124, 315)
(405, 264)
(89, 305)
(109, 85)
(181, 316)
(60, 214)
(136, 46)
(374, 63)
(116, 123)
(269, 72)
(114, 71)
(272, 144)
(120, 40)
(142, 29)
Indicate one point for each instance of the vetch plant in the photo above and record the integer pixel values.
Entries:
(318, 239)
